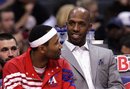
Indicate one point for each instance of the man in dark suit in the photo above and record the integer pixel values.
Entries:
(94, 67)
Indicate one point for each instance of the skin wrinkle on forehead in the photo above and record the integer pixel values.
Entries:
(84, 13)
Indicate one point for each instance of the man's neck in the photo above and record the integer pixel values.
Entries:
(38, 61)
(79, 43)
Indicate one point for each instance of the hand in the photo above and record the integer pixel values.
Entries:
(29, 7)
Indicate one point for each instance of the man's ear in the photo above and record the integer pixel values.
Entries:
(42, 49)
(90, 26)
(18, 50)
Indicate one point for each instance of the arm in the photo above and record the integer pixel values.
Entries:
(67, 76)
(114, 76)
(24, 18)
(6, 4)
(11, 76)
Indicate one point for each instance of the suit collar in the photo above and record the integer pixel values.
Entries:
(67, 54)
(69, 45)
(93, 59)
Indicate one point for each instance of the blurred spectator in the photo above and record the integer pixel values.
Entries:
(8, 47)
(114, 31)
(6, 3)
(23, 8)
(7, 23)
(61, 17)
(54, 6)
(125, 44)
(30, 23)
(116, 7)
(19, 38)
(51, 21)
(62, 14)
(125, 18)
(96, 18)
(22, 14)
(7, 19)
(92, 6)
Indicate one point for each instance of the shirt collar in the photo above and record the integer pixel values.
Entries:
(86, 45)
(72, 47)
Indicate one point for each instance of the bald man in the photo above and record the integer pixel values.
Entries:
(93, 67)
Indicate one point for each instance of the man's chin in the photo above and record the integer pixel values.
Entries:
(75, 42)
(7, 59)
(56, 58)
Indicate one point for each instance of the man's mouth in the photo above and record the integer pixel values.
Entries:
(76, 36)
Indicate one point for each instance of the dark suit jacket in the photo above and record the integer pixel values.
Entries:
(103, 66)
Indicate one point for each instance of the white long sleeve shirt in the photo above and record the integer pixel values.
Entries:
(83, 58)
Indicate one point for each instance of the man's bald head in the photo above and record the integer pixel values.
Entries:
(78, 25)
(80, 11)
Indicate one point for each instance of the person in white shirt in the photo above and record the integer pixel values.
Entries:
(94, 67)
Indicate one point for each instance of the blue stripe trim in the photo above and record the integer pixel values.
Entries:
(125, 79)
(68, 76)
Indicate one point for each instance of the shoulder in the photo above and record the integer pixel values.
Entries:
(64, 63)
(101, 52)
(65, 67)
(102, 49)
(17, 61)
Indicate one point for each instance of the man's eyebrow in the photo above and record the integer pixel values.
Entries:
(76, 21)
(3, 48)
(57, 39)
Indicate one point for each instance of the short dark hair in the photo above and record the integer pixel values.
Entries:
(125, 41)
(4, 10)
(7, 36)
(38, 31)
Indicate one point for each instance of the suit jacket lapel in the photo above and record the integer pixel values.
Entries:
(93, 61)
(67, 54)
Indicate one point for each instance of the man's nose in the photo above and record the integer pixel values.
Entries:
(10, 54)
(76, 27)
(60, 46)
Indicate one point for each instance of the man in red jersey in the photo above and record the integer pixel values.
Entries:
(40, 67)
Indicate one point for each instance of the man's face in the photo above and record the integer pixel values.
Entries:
(7, 21)
(8, 49)
(54, 48)
(78, 26)
(94, 10)
(125, 50)
(127, 30)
